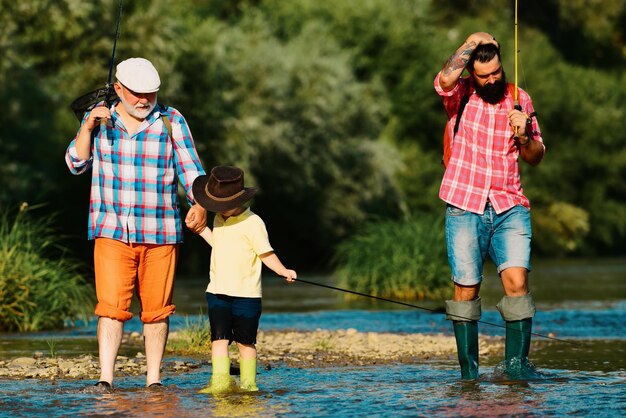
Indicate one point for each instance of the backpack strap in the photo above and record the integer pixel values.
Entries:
(168, 126)
(464, 101)
(447, 141)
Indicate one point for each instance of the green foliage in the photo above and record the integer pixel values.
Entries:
(194, 338)
(589, 33)
(581, 115)
(560, 229)
(403, 259)
(328, 105)
(52, 347)
(388, 45)
(418, 178)
(296, 106)
(36, 292)
(322, 344)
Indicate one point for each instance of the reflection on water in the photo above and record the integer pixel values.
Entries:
(589, 355)
(408, 390)
(511, 399)
(132, 402)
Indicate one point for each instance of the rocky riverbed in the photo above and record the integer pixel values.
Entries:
(301, 349)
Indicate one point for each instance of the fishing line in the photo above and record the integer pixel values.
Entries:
(430, 310)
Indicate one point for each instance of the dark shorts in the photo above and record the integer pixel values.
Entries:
(234, 318)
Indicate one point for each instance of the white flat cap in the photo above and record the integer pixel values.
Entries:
(139, 75)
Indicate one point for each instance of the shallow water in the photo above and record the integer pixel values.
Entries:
(579, 301)
(431, 389)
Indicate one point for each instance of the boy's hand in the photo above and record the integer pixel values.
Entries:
(290, 275)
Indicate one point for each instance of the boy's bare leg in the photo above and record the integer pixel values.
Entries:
(247, 350)
(155, 338)
(109, 333)
(219, 348)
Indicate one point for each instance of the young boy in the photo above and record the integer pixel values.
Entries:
(239, 244)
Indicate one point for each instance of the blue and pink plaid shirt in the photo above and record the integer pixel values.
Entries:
(484, 161)
(134, 180)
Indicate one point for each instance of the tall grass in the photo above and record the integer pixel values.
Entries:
(194, 338)
(40, 288)
(404, 259)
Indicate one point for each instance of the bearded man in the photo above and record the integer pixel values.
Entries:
(487, 212)
(138, 151)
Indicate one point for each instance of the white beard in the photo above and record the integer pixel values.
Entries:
(138, 111)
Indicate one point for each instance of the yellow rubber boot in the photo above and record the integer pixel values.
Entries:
(221, 381)
(247, 379)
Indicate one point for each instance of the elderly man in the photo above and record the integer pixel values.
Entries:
(138, 151)
(487, 211)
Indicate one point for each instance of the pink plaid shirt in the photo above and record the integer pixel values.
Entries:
(483, 164)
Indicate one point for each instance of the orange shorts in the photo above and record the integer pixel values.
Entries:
(121, 268)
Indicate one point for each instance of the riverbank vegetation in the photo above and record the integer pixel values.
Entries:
(194, 338)
(40, 287)
(330, 109)
(403, 259)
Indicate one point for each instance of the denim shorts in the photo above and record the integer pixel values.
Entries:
(234, 318)
(470, 236)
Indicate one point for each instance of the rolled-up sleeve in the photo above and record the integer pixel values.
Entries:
(74, 163)
(451, 99)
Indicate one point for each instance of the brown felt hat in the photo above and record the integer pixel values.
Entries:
(222, 190)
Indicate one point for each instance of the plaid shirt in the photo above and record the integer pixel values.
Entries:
(483, 165)
(134, 180)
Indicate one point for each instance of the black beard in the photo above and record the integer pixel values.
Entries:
(492, 93)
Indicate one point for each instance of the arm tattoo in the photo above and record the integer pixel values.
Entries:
(459, 59)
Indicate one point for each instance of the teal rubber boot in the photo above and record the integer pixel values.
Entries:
(518, 339)
(464, 316)
(247, 377)
(518, 312)
(221, 381)
(466, 334)
(516, 350)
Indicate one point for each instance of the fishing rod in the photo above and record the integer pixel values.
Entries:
(109, 85)
(516, 99)
(431, 310)
(88, 101)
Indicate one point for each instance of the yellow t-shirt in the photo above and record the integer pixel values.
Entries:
(235, 264)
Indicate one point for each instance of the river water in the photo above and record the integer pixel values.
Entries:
(581, 301)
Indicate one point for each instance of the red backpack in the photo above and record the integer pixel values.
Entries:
(447, 141)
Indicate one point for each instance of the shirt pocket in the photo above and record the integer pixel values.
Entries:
(106, 142)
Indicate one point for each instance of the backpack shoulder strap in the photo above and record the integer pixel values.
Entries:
(168, 125)
(511, 88)
(464, 101)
